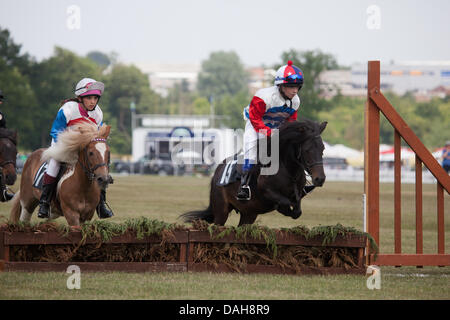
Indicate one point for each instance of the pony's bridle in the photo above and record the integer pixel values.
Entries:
(90, 172)
(308, 166)
(4, 163)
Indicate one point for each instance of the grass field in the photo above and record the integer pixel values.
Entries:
(164, 198)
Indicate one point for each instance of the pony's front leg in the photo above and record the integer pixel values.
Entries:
(72, 216)
(282, 204)
(293, 211)
(296, 210)
(296, 205)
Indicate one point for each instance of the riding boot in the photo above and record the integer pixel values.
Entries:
(48, 190)
(244, 192)
(307, 189)
(102, 211)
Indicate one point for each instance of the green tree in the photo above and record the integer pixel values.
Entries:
(54, 80)
(19, 107)
(428, 120)
(201, 105)
(312, 63)
(124, 85)
(10, 53)
(345, 110)
(223, 73)
(100, 58)
(180, 99)
(232, 107)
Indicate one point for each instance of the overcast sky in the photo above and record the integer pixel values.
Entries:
(176, 31)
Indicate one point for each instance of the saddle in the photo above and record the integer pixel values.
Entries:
(39, 177)
(232, 171)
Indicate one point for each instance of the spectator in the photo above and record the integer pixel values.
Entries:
(446, 157)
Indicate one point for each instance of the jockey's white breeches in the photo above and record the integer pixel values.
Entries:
(53, 166)
(251, 142)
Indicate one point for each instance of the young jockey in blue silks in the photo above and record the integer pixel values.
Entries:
(82, 108)
(269, 108)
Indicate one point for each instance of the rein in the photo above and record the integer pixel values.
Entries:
(86, 167)
(307, 166)
(4, 163)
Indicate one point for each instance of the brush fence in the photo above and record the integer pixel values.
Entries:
(189, 250)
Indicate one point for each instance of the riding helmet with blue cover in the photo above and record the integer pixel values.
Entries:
(289, 74)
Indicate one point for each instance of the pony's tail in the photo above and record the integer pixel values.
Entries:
(206, 215)
(16, 208)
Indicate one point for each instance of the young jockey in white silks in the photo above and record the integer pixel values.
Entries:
(82, 108)
(269, 108)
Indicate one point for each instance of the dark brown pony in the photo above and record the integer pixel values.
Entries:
(86, 153)
(300, 149)
(8, 154)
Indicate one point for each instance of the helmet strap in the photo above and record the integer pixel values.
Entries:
(282, 93)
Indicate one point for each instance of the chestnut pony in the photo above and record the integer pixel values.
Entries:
(83, 148)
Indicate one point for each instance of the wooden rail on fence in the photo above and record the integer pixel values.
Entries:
(200, 238)
(377, 102)
(187, 242)
(11, 239)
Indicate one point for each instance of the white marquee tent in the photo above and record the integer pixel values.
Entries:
(356, 158)
(340, 151)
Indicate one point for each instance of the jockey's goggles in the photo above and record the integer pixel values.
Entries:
(293, 78)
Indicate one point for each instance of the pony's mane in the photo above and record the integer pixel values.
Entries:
(72, 140)
(298, 129)
(292, 134)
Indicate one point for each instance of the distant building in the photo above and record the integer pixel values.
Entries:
(164, 76)
(158, 135)
(441, 91)
(412, 76)
(260, 78)
(425, 79)
(333, 82)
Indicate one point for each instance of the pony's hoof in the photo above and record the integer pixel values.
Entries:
(75, 228)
